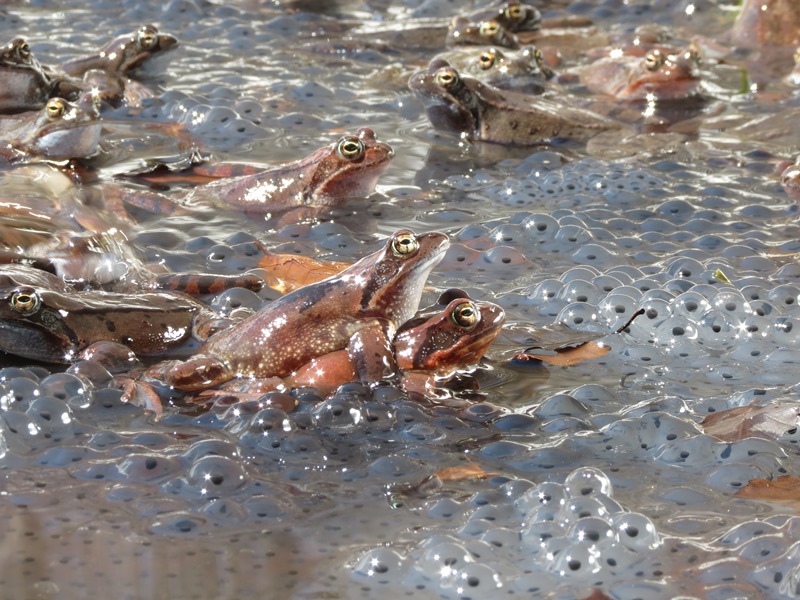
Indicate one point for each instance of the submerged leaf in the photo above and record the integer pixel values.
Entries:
(566, 357)
(770, 421)
(785, 489)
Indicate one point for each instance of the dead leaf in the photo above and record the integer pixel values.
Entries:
(468, 471)
(770, 421)
(566, 357)
(785, 489)
(288, 272)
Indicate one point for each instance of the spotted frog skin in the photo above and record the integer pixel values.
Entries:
(348, 168)
(481, 112)
(24, 84)
(60, 131)
(441, 340)
(359, 310)
(660, 74)
(41, 318)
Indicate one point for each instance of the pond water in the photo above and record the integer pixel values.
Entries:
(589, 481)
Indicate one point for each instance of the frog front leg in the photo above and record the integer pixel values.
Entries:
(370, 349)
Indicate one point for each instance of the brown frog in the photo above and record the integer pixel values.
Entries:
(60, 131)
(767, 23)
(24, 84)
(512, 15)
(41, 318)
(660, 75)
(480, 112)
(464, 32)
(430, 348)
(348, 168)
(521, 71)
(359, 309)
(125, 55)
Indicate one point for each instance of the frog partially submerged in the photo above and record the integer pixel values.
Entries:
(126, 55)
(41, 318)
(359, 310)
(480, 112)
(60, 131)
(348, 168)
(430, 348)
(464, 32)
(660, 75)
(24, 84)
(521, 71)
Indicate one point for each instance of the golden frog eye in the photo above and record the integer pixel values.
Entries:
(653, 61)
(486, 60)
(514, 13)
(55, 108)
(25, 301)
(405, 244)
(538, 57)
(489, 28)
(446, 77)
(23, 51)
(465, 315)
(147, 38)
(350, 148)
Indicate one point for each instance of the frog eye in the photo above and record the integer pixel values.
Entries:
(465, 315)
(55, 108)
(147, 38)
(538, 57)
(25, 301)
(23, 51)
(405, 244)
(796, 55)
(653, 61)
(350, 148)
(446, 77)
(514, 13)
(489, 28)
(486, 60)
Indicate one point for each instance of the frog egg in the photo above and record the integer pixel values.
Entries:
(18, 390)
(546, 290)
(544, 494)
(784, 296)
(380, 566)
(587, 481)
(579, 561)
(763, 548)
(579, 290)
(580, 315)
(781, 575)
(147, 468)
(572, 235)
(561, 405)
(91, 373)
(635, 531)
(716, 330)
(785, 330)
(606, 283)
(685, 267)
(617, 308)
(62, 386)
(215, 476)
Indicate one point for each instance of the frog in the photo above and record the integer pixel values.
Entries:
(767, 23)
(348, 168)
(25, 84)
(662, 74)
(128, 55)
(60, 131)
(464, 32)
(439, 341)
(358, 310)
(513, 16)
(521, 71)
(480, 112)
(43, 319)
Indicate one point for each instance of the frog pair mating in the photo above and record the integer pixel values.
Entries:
(349, 326)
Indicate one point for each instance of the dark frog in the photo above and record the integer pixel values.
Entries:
(24, 84)
(481, 112)
(42, 319)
